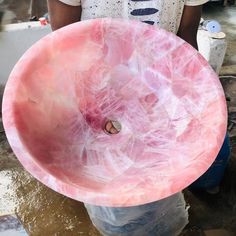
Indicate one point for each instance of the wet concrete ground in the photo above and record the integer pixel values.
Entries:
(41, 210)
(45, 212)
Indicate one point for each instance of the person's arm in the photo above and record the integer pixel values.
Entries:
(62, 14)
(189, 24)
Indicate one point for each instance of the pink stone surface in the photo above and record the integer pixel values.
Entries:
(168, 100)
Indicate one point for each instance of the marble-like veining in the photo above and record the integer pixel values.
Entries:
(167, 99)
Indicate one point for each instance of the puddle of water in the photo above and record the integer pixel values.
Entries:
(7, 203)
(41, 210)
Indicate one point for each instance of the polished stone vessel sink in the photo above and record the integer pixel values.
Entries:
(114, 112)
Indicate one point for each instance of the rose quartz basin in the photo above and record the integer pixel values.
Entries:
(114, 112)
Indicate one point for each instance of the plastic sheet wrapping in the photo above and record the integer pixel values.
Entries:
(114, 112)
(165, 217)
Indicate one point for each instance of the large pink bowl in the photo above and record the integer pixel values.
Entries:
(168, 101)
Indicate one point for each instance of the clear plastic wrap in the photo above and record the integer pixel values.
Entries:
(165, 217)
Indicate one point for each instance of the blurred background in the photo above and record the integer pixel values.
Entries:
(45, 212)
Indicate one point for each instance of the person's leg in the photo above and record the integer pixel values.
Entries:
(213, 176)
(165, 217)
